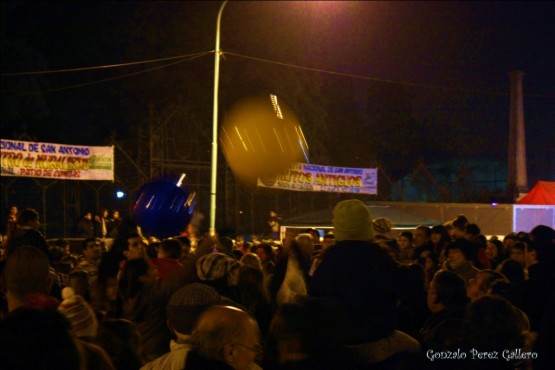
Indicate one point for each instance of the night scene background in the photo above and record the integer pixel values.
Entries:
(412, 88)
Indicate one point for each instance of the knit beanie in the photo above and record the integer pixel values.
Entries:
(187, 303)
(382, 225)
(80, 314)
(352, 221)
(214, 266)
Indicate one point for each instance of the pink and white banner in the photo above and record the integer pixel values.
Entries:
(56, 161)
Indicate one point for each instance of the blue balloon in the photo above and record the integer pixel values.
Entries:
(163, 209)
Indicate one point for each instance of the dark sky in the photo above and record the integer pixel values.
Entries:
(466, 44)
(461, 46)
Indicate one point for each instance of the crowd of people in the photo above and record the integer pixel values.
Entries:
(363, 296)
(101, 225)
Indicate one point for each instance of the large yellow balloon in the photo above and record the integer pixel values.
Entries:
(262, 137)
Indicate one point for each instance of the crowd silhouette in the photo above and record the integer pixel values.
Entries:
(363, 296)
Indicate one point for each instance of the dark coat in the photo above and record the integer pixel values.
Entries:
(29, 237)
(85, 229)
(197, 362)
(362, 280)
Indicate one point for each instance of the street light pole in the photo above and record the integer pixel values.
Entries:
(214, 172)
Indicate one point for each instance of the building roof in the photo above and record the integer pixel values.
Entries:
(400, 218)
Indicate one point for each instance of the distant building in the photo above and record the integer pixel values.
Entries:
(465, 180)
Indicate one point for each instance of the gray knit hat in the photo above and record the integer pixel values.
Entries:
(187, 303)
(382, 225)
(215, 266)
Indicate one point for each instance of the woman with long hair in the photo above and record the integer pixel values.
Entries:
(495, 253)
(440, 238)
(292, 270)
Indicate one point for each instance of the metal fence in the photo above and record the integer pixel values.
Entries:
(240, 209)
(60, 203)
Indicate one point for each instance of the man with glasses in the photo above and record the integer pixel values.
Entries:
(480, 285)
(224, 337)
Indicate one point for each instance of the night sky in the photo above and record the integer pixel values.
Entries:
(452, 57)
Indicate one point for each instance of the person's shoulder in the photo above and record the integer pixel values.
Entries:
(195, 361)
(351, 250)
(173, 360)
(361, 246)
(95, 356)
(81, 262)
(166, 263)
(34, 234)
(354, 243)
(35, 237)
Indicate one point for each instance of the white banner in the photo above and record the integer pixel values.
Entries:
(312, 177)
(56, 161)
